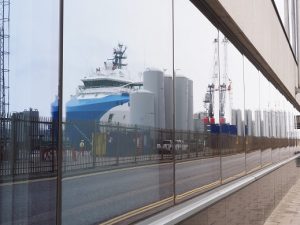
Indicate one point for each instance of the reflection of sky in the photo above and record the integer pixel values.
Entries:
(92, 30)
(280, 8)
(33, 59)
(94, 27)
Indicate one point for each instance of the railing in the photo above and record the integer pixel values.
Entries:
(28, 145)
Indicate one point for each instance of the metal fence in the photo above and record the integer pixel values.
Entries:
(28, 145)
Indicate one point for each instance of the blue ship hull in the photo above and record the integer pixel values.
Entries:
(82, 114)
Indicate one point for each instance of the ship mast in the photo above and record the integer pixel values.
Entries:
(119, 55)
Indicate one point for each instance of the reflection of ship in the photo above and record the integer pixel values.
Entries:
(107, 89)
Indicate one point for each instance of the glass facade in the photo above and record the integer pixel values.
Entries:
(28, 136)
(288, 15)
(158, 107)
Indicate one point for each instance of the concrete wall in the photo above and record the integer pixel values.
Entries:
(254, 27)
(258, 20)
(252, 204)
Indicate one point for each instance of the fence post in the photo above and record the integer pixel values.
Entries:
(136, 143)
(13, 145)
(93, 146)
(118, 140)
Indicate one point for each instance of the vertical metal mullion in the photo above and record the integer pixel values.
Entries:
(219, 137)
(244, 109)
(60, 99)
(173, 93)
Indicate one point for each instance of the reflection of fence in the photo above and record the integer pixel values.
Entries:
(116, 144)
(27, 145)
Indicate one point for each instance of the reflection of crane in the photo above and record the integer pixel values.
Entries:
(225, 85)
(211, 88)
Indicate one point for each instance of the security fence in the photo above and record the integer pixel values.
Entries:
(29, 145)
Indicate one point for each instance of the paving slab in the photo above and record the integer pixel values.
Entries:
(288, 210)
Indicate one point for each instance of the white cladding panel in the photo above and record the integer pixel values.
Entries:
(181, 103)
(154, 82)
(142, 108)
(168, 88)
(190, 105)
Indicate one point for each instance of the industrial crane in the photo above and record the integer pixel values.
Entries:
(223, 87)
(211, 88)
(4, 57)
(4, 69)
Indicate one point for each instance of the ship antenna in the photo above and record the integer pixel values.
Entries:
(119, 55)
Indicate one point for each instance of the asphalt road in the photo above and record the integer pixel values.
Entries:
(97, 197)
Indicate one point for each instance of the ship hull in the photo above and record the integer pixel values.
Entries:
(83, 114)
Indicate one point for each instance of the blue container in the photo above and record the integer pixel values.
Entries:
(215, 128)
(224, 128)
(233, 129)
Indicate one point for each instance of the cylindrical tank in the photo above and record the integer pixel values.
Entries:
(154, 82)
(248, 122)
(240, 123)
(54, 109)
(142, 108)
(285, 124)
(190, 105)
(270, 123)
(257, 130)
(273, 124)
(181, 103)
(233, 117)
(265, 132)
(168, 88)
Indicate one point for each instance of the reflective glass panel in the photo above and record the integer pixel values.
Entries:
(28, 118)
(117, 164)
(231, 111)
(197, 166)
(252, 117)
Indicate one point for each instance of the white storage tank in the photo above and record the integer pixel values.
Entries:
(240, 123)
(234, 117)
(168, 88)
(258, 124)
(154, 82)
(190, 105)
(273, 124)
(266, 132)
(181, 103)
(248, 122)
(285, 124)
(142, 108)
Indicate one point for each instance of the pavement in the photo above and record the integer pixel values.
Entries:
(288, 210)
